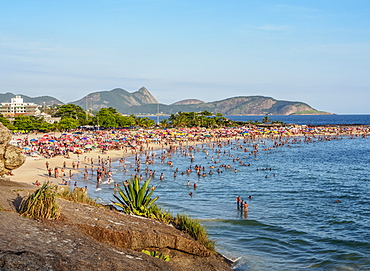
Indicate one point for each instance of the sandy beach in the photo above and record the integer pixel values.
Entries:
(34, 169)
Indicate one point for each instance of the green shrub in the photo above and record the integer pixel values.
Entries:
(78, 195)
(159, 214)
(136, 199)
(41, 204)
(194, 229)
(156, 254)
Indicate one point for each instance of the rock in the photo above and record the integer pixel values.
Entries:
(91, 238)
(11, 157)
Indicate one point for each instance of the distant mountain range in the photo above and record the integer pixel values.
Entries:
(41, 100)
(142, 102)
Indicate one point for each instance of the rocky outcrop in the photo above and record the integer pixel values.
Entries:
(145, 96)
(11, 157)
(117, 98)
(91, 238)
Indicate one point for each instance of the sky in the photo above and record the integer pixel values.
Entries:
(312, 51)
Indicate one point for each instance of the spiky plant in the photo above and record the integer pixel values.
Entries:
(156, 254)
(135, 199)
(41, 204)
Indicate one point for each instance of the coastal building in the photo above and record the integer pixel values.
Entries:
(18, 107)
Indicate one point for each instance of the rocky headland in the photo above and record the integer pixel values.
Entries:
(92, 238)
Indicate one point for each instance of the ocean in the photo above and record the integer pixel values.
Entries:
(309, 206)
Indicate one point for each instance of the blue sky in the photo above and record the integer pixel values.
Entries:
(316, 52)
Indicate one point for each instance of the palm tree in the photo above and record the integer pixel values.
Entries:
(266, 119)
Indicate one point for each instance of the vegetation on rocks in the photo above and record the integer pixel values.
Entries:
(78, 195)
(41, 204)
(87, 234)
(194, 229)
(136, 199)
(156, 254)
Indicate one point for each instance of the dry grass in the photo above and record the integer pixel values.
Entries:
(78, 195)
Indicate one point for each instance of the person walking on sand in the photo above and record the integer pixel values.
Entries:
(56, 172)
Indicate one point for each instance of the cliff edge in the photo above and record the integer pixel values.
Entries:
(91, 238)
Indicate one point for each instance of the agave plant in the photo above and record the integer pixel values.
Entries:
(41, 204)
(135, 199)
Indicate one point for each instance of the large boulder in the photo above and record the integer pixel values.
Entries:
(11, 157)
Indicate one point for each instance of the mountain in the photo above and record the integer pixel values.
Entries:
(40, 100)
(117, 98)
(142, 102)
(188, 101)
(243, 105)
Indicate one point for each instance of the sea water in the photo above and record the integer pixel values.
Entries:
(309, 208)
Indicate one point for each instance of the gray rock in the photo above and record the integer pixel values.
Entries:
(11, 157)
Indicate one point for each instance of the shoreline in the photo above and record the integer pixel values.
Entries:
(34, 169)
(117, 154)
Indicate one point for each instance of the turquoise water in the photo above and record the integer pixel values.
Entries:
(294, 222)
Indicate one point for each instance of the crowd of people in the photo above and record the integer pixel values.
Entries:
(139, 143)
(50, 145)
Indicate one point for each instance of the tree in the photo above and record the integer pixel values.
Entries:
(22, 122)
(67, 123)
(106, 118)
(124, 121)
(205, 113)
(164, 123)
(266, 119)
(6, 122)
(145, 122)
(73, 111)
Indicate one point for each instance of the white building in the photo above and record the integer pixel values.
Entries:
(18, 107)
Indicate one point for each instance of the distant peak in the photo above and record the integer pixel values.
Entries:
(143, 89)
